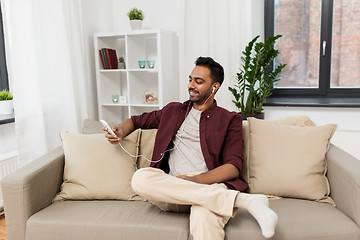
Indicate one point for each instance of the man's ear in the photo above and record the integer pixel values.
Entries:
(216, 86)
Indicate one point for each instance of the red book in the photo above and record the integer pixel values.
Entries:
(102, 59)
(111, 58)
(105, 59)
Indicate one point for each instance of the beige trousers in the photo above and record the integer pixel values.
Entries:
(211, 206)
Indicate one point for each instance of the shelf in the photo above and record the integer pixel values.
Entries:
(143, 70)
(112, 70)
(134, 82)
(131, 105)
(114, 105)
(142, 32)
(130, 70)
(145, 105)
(8, 118)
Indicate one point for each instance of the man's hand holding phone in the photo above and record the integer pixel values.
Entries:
(114, 135)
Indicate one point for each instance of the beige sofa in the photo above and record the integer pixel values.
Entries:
(31, 215)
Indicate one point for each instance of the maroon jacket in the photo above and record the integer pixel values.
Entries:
(220, 136)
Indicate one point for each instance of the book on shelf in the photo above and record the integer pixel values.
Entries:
(103, 55)
(112, 58)
(108, 58)
(102, 59)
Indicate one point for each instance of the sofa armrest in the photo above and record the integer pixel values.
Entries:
(344, 177)
(30, 189)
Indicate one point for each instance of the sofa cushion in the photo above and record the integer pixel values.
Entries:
(289, 161)
(96, 169)
(298, 220)
(106, 220)
(299, 120)
(146, 143)
(146, 147)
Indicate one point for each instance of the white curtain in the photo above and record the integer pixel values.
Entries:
(48, 68)
(220, 29)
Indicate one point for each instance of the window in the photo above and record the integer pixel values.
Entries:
(320, 45)
(4, 84)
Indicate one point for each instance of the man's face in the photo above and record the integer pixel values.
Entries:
(200, 84)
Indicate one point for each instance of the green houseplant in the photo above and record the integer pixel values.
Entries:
(6, 102)
(121, 62)
(5, 95)
(256, 77)
(136, 17)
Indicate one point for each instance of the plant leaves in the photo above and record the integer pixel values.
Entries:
(255, 75)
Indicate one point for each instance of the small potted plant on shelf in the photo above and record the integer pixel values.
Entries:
(256, 77)
(136, 17)
(121, 63)
(6, 102)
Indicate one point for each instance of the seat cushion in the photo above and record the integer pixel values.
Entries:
(298, 220)
(134, 220)
(106, 220)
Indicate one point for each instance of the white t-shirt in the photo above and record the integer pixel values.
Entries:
(187, 156)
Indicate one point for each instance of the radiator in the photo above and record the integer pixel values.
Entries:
(8, 163)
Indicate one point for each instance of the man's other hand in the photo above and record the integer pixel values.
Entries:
(194, 178)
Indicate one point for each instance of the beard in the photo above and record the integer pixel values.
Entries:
(196, 97)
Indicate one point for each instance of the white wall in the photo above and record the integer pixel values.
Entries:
(161, 14)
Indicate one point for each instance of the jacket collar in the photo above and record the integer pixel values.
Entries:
(208, 112)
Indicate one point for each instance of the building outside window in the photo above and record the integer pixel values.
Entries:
(320, 45)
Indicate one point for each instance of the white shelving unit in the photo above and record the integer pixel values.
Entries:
(133, 82)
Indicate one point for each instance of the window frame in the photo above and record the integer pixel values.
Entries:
(4, 82)
(324, 90)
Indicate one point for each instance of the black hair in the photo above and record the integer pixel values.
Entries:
(216, 70)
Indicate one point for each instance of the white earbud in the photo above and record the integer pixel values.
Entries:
(213, 90)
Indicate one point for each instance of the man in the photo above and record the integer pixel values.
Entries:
(197, 159)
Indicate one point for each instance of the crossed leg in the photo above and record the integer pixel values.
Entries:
(211, 205)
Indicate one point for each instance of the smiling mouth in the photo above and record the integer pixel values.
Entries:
(193, 93)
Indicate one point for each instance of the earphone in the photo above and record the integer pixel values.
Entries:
(212, 92)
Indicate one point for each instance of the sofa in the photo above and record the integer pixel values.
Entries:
(32, 214)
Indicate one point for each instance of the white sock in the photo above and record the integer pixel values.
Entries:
(258, 206)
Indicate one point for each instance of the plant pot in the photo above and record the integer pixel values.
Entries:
(121, 65)
(135, 24)
(258, 116)
(6, 107)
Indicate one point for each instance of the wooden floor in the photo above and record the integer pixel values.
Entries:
(2, 228)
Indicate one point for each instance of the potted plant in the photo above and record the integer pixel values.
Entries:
(256, 77)
(6, 102)
(136, 17)
(121, 62)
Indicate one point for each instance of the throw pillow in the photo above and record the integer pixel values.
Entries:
(96, 169)
(289, 161)
(146, 143)
(301, 121)
(146, 147)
